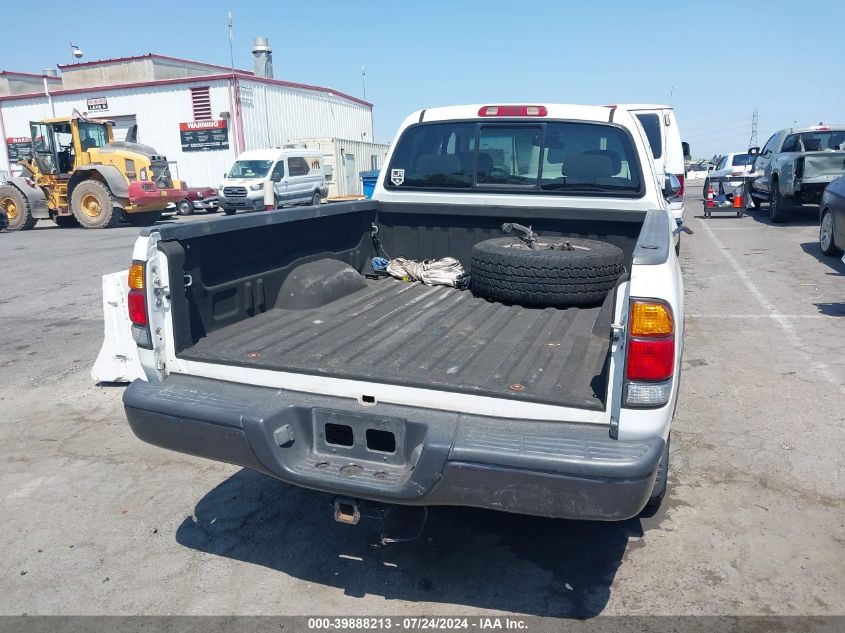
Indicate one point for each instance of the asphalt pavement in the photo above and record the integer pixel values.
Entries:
(94, 521)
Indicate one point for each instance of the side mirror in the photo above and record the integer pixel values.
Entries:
(671, 187)
(685, 146)
(754, 151)
(711, 167)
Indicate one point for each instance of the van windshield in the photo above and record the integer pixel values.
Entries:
(250, 168)
(554, 156)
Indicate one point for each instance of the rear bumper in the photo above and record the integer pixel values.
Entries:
(552, 469)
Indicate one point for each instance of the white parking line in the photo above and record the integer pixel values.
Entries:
(783, 321)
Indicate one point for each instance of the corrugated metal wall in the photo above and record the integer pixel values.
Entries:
(272, 116)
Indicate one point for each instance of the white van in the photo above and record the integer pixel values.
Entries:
(664, 137)
(297, 176)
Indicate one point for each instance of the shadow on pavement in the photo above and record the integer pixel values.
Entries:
(801, 216)
(467, 557)
(833, 261)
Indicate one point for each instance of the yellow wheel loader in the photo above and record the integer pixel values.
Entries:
(78, 173)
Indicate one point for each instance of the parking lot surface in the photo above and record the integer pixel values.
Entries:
(94, 521)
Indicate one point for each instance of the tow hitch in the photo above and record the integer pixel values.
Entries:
(346, 511)
(351, 511)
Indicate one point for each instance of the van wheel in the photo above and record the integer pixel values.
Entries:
(93, 205)
(230, 211)
(17, 210)
(315, 201)
(185, 207)
(780, 207)
(143, 219)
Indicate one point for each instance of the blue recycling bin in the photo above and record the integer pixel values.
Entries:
(368, 181)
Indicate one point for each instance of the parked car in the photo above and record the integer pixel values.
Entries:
(669, 152)
(794, 167)
(731, 164)
(297, 177)
(832, 218)
(198, 199)
(291, 356)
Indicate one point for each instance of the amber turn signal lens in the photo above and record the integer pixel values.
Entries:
(651, 319)
(136, 276)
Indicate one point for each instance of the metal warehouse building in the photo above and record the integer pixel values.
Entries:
(201, 116)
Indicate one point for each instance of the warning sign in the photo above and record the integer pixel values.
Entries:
(18, 147)
(201, 136)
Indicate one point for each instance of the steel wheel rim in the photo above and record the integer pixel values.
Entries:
(90, 205)
(826, 231)
(10, 208)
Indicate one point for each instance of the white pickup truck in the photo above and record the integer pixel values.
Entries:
(547, 387)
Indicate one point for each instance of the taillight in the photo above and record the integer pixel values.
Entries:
(650, 362)
(737, 173)
(137, 307)
(513, 110)
(680, 178)
(136, 302)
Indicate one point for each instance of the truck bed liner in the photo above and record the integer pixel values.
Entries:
(430, 337)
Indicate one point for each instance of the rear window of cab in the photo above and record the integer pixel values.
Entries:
(555, 157)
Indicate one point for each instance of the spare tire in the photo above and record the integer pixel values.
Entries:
(558, 272)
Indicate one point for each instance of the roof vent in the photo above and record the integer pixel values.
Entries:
(262, 57)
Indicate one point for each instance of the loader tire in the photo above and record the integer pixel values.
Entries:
(506, 269)
(17, 210)
(94, 206)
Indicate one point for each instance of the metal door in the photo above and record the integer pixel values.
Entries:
(351, 174)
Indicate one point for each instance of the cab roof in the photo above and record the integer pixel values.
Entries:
(553, 111)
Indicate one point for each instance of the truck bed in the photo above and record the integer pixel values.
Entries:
(430, 337)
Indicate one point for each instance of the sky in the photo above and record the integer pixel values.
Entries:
(715, 61)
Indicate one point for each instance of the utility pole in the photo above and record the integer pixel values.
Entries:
(233, 91)
(753, 141)
(364, 81)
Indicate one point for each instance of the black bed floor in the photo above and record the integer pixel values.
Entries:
(436, 337)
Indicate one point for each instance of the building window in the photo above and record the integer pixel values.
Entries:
(374, 162)
(201, 102)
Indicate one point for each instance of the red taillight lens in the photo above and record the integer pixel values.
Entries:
(513, 110)
(652, 359)
(681, 189)
(137, 303)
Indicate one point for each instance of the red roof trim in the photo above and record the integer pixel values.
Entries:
(188, 80)
(14, 73)
(131, 58)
